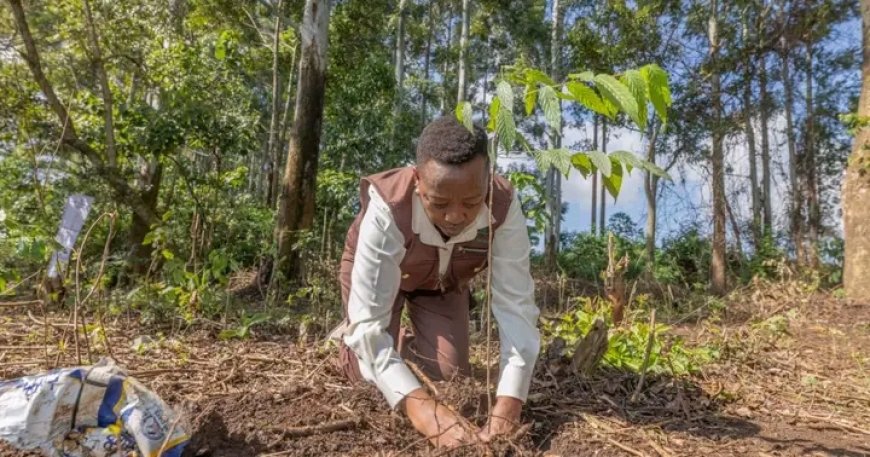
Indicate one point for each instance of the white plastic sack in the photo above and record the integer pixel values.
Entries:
(110, 410)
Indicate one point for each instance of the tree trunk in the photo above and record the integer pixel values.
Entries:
(400, 48)
(796, 216)
(285, 120)
(651, 189)
(424, 111)
(554, 141)
(764, 113)
(445, 68)
(296, 201)
(717, 263)
(273, 150)
(150, 180)
(735, 227)
(856, 188)
(602, 222)
(593, 225)
(100, 70)
(462, 77)
(750, 142)
(814, 213)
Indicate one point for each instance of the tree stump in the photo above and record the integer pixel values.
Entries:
(590, 350)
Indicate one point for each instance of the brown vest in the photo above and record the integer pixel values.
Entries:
(420, 264)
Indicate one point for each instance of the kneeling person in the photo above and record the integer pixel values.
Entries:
(421, 235)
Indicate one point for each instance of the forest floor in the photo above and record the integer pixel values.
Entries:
(793, 378)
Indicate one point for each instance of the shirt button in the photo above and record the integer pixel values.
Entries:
(406, 275)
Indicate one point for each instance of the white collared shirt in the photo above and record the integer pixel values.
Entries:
(375, 281)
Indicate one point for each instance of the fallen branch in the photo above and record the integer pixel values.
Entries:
(426, 381)
(325, 427)
(625, 448)
(836, 423)
(168, 437)
(20, 303)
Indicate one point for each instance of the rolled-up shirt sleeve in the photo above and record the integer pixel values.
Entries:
(375, 282)
(513, 304)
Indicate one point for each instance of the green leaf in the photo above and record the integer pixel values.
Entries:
(552, 109)
(505, 128)
(530, 97)
(614, 182)
(628, 160)
(167, 254)
(656, 170)
(658, 89)
(582, 163)
(463, 113)
(493, 113)
(538, 76)
(616, 93)
(558, 158)
(637, 85)
(505, 93)
(220, 50)
(600, 161)
(587, 97)
(586, 76)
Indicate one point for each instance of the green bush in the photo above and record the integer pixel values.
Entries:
(627, 343)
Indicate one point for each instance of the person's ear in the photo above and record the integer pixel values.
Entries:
(416, 180)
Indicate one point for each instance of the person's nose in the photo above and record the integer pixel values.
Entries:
(454, 217)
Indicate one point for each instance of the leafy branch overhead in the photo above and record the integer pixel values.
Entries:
(630, 93)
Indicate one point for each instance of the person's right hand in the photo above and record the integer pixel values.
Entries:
(435, 421)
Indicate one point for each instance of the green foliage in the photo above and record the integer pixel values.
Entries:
(531, 194)
(243, 330)
(584, 255)
(684, 260)
(627, 343)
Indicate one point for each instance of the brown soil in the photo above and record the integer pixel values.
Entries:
(792, 380)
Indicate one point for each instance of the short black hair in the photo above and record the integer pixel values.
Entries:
(447, 141)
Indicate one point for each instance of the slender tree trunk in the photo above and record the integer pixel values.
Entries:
(856, 188)
(100, 70)
(273, 151)
(814, 212)
(296, 201)
(735, 227)
(750, 143)
(289, 98)
(718, 261)
(462, 78)
(793, 159)
(400, 47)
(651, 190)
(602, 221)
(445, 67)
(764, 110)
(593, 225)
(554, 141)
(424, 110)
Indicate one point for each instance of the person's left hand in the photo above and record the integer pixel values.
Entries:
(504, 419)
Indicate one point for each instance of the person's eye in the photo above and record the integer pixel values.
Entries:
(440, 205)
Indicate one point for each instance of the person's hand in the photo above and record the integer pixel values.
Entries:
(435, 421)
(504, 419)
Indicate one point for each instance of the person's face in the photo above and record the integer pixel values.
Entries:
(452, 195)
